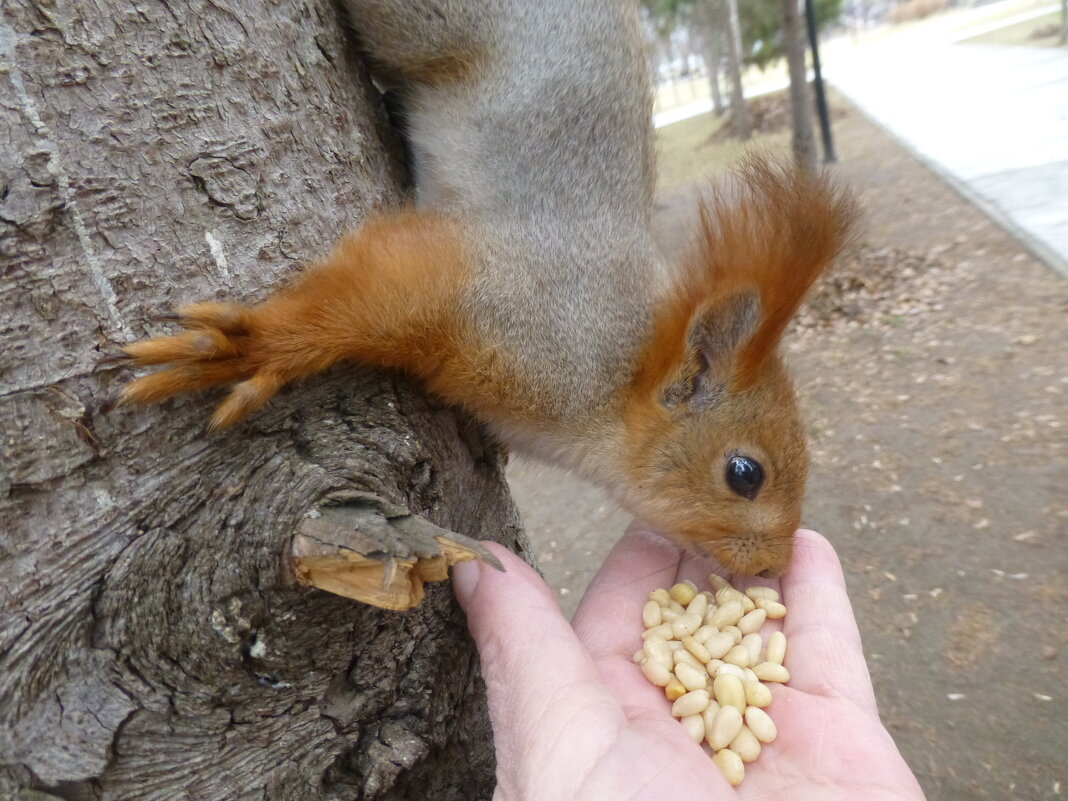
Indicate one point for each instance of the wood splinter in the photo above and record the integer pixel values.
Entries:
(360, 546)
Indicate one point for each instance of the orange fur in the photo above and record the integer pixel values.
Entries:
(386, 297)
(773, 232)
(776, 228)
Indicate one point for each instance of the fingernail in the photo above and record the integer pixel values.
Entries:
(465, 578)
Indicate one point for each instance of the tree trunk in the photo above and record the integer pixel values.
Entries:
(740, 120)
(804, 135)
(711, 26)
(153, 644)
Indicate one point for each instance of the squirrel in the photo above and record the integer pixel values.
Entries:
(524, 284)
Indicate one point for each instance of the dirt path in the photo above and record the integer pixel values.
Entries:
(939, 433)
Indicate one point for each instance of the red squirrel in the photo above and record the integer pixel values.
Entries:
(524, 284)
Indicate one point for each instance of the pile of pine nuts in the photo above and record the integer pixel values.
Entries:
(706, 651)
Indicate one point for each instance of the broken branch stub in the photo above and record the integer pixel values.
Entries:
(360, 546)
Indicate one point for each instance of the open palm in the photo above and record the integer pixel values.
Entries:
(574, 718)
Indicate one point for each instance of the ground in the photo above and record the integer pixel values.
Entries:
(936, 400)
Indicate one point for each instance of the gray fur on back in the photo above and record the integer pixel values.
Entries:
(545, 149)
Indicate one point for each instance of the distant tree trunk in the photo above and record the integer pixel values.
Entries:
(713, 55)
(741, 122)
(1064, 22)
(804, 135)
(712, 27)
(152, 642)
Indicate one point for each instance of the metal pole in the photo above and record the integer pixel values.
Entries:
(821, 98)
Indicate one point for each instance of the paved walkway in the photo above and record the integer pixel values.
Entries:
(993, 120)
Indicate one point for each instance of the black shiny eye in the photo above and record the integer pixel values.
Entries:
(744, 476)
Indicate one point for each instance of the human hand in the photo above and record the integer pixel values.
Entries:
(573, 717)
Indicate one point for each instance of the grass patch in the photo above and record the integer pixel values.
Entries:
(686, 157)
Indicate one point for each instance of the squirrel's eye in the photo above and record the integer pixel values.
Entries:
(744, 476)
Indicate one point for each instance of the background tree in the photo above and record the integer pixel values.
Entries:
(804, 136)
(152, 642)
(761, 24)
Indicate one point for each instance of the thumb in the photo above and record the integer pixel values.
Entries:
(539, 677)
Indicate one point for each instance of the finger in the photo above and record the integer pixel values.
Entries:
(609, 618)
(825, 655)
(539, 678)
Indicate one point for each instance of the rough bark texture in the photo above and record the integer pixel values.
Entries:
(804, 136)
(152, 642)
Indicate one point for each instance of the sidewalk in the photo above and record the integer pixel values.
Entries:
(992, 120)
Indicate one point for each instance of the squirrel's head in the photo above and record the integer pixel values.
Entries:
(717, 448)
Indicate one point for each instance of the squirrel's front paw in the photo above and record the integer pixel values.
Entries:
(219, 347)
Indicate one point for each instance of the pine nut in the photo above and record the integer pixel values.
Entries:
(656, 672)
(727, 593)
(728, 690)
(746, 745)
(725, 727)
(774, 609)
(752, 643)
(776, 647)
(756, 694)
(700, 653)
(683, 592)
(692, 703)
(727, 669)
(705, 650)
(657, 648)
(698, 606)
(717, 582)
(769, 671)
(651, 614)
(719, 644)
(674, 690)
(709, 715)
(752, 621)
(760, 724)
(730, 765)
(663, 631)
(695, 727)
(684, 657)
(660, 596)
(727, 615)
(704, 632)
(762, 593)
(691, 677)
(685, 625)
(738, 655)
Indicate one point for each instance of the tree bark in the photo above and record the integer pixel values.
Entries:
(741, 122)
(804, 136)
(153, 644)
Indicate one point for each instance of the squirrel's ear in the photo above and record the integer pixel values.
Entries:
(716, 334)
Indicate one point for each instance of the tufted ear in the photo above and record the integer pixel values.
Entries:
(764, 239)
(714, 340)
